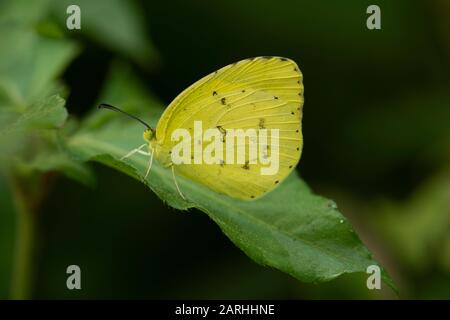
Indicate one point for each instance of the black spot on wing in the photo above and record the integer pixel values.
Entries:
(223, 132)
(261, 123)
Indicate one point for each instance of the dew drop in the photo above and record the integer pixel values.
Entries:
(332, 205)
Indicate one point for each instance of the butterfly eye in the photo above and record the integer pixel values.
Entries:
(149, 134)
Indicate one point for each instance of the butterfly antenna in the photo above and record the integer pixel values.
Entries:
(110, 107)
(176, 184)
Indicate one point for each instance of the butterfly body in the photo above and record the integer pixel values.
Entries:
(159, 151)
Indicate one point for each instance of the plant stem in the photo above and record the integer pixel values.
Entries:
(24, 246)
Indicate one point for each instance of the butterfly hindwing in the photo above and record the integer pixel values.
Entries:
(259, 93)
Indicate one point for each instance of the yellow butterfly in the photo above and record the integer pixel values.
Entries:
(263, 93)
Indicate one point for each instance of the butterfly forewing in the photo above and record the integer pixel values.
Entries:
(259, 93)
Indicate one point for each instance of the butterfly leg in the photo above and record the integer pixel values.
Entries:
(144, 153)
(150, 162)
(176, 184)
(138, 149)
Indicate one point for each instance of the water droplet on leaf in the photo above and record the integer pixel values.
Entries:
(332, 204)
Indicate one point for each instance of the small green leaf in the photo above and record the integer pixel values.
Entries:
(17, 129)
(39, 125)
(47, 114)
(59, 161)
(29, 64)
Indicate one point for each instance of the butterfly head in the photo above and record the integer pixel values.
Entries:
(149, 134)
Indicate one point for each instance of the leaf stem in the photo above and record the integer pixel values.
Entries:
(25, 244)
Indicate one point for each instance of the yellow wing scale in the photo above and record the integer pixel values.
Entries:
(263, 92)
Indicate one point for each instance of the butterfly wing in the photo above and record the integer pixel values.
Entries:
(263, 92)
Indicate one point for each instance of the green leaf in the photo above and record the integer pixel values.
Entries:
(30, 113)
(39, 123)
(16, 129)
(47, 114)
(290, 229)
(59, 161)
(23, 12)
(29, 64)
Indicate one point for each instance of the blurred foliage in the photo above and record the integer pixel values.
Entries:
(116, 24)
(376, 128)
(419, 228)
